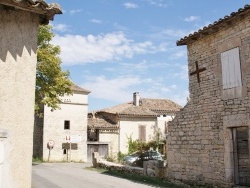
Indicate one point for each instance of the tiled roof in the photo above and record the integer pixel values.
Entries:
(147, 107)
(214, 27)
(101, 123)
(78, 89)
(46, 11)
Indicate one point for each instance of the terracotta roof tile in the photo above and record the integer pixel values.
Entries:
(101, 123)
(45, 10)
(214, 27)
(79, 89)
(147, 107)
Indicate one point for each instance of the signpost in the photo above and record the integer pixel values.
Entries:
(71, 143)
(50, 145)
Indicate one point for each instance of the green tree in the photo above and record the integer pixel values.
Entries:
(51, 81)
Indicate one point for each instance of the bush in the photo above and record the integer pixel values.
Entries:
(120, 156)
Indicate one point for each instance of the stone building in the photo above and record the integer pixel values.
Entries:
(142, 119)
(61, 135)
(19, 21)
(209, 138)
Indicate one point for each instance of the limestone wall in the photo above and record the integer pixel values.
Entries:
(200, 141)
(113, 140)
(131, 128)
(75, 110)
(18, 33)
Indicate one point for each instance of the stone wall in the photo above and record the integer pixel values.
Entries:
(113, 140)
(130, 127)
(150, 168)
(18, 34)
(200, 138)
(74, 109)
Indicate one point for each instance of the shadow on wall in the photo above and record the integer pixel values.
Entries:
(9, 31)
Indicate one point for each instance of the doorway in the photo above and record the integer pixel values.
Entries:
(241, 156)
(102, 149)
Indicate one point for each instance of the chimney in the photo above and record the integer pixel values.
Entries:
(136, 98)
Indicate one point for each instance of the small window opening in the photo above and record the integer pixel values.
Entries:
(66, 124)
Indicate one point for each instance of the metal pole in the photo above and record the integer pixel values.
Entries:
(70, 150)
(49, 153)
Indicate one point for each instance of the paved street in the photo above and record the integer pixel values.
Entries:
(73, 175)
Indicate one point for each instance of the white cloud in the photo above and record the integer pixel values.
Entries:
(77, 49)
(174, 33)
(178, 53)
(191, 18)
(120, 89)
(61, 27)
(95, 21)
(158, 3)
(130, 5)
(74, 11)
(117, 89)
(171, 34)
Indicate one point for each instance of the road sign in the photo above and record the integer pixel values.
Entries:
(51, 143)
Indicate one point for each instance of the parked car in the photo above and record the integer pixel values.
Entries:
(137, 158)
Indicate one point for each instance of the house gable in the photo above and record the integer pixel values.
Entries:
(200, 142)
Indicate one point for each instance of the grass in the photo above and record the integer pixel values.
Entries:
(37, 160)
(153, 181)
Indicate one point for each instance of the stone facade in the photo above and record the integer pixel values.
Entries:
(143, 119)
(66, 125)
(201, 147)
(130, 127)
(18, 36)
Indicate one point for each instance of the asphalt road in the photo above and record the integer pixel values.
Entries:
(73, 175)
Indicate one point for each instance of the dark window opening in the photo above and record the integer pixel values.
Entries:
(66, 124)
(93, 135)
(64, 151)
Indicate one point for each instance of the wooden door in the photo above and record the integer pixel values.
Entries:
(241, 156)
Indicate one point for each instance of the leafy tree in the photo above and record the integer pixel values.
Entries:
(51, 81)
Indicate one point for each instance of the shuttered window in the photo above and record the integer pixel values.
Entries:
(142, 133)
(231, 71)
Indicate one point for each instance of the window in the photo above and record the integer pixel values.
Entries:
(142, 133)
(231, 71)
(66, 124)
(93, 135)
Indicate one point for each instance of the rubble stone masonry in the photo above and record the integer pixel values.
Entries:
(200, 136)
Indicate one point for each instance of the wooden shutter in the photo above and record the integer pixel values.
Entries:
(231, 72)
(142, 133)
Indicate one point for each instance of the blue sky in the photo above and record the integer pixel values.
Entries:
(116, 47)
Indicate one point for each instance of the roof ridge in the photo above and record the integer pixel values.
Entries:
(205, 29)
(38, 6)
(75, 87)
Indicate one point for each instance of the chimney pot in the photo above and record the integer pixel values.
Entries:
(136, 98)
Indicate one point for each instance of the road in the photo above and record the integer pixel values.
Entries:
(73, 175)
